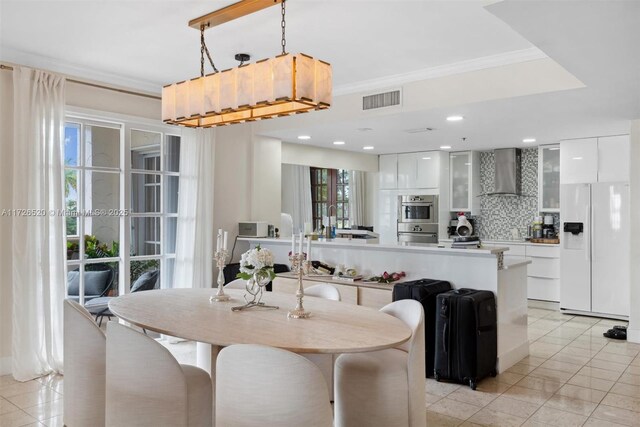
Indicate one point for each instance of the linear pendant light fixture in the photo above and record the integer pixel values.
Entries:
(281, 86)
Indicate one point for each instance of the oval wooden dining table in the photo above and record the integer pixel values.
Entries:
(334, 327)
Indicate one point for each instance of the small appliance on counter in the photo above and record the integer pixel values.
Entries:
(464, 237)
(548, 228)
(253, 229)
(453, 227)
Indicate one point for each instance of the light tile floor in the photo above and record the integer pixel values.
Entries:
(573, 377)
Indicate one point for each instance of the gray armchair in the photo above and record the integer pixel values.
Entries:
(99, 307)
(98, 280)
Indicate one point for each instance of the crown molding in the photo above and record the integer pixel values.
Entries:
(492, 61)
(51, 64)
(27, 59)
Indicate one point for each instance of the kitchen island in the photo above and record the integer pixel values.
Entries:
(483, 269)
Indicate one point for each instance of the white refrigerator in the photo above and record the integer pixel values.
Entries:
(594, 248)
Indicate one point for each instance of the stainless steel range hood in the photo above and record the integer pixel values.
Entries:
(507, 173)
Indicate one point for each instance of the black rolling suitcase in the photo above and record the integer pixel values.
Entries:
(425, 292)
(466, 336)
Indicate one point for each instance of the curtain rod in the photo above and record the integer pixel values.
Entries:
(128, 92)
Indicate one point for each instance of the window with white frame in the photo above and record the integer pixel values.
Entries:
(121, 190)
(154, 163)
(92, 207)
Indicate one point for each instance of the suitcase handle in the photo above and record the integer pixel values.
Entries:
(444, 312)
(445, 341)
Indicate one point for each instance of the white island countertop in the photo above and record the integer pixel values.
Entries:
(421, 248)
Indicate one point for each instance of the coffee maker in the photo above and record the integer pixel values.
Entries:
(548, 228)
(452, 230)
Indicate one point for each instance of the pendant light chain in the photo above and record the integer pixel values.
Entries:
(203, 50)
(283, 24)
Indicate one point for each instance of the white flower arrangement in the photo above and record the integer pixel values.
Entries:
(258, 262)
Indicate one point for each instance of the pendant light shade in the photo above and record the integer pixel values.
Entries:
(281, 86)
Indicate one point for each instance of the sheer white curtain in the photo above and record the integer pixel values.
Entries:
(194, 240)
(357, 201)
(296, 194)
(38, 257)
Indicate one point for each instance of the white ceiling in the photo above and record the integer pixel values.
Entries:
(150, 42)
(595, 41)
(144, 44)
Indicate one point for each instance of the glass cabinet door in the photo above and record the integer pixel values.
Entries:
(549, 179)
(460, 180)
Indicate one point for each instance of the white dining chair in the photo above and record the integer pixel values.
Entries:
(386, 387)
(324, 361)
(146, 386)
(260, 386)
(323, 290)
(84, 368)
(236, 284)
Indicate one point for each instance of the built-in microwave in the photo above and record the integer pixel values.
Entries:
(423, 209)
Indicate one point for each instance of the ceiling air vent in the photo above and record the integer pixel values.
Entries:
(381, 100)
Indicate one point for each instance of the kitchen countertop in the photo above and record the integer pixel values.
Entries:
(424, 248)
(509, 242)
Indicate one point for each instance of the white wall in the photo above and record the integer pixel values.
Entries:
(267, 176)
(94, 98)
(233, 178)
(298, 154)
(6, 163)
(633, 334)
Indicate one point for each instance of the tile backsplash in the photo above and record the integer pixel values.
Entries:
(499, 214)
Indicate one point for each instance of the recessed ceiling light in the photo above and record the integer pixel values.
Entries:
(577, 158)
(528, 140)
(338, 142)
(445, 147)
(426, 158)
(368, 147)
(454, 118)
(304, 137)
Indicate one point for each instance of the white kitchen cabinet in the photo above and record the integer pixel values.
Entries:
(543, 274)
(579, 161)
(428, 169)
(591, 160)
(464, 179)
(419, 170)
(549, 178)
(406, 170)
(613, 159)
(387, 215)
(388, 171)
